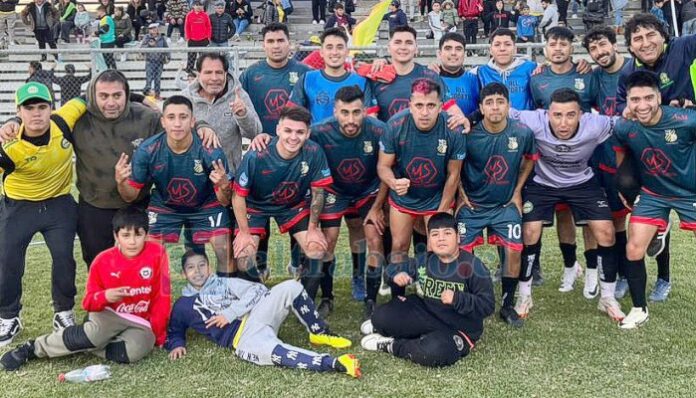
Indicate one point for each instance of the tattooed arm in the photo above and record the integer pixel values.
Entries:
(316, 207)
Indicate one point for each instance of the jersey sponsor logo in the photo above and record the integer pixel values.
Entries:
(579, 84)
(266, 172)
(181, 191)
(513, 145)
(325, 172)
(421, 171)
(609, 106)
(293, 77)
(115, 274)
(351, 170)
(286, 192)
(496, 170)
(441, 146)
(670, 136)
(367, 147)
(65, 144)
(304, 168)
(258, 78)
(397, 106)
(680, 117)
(197, 166)
(275, 100)
(543, 87)
(244, 179)
(30, 159)
(563, 148)
(134, 291)
(146, 272)
(151, 218)
(656, 161)
(134, 308)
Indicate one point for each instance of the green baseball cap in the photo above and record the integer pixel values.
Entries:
(32, 90)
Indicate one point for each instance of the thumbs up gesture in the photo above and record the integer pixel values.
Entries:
(238, 106)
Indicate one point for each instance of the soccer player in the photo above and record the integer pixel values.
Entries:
(191, 183)
(37, 177)
(245, 316)
(566, 139)
(441, 326)
(461, 85)
(126, 298)
(316, 90)
(500, 156)
(420, 161)
(663, 139)
(285, 181)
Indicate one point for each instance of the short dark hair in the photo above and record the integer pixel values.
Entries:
(565, 95)
(69, 68)
(177, 100)
(112, 76)
(645, 21)
(503, 32)
(339, 5)
(493, 89)
(212, 56)
(560, 32)
(130, 217)
(275, 27)
(296, 113)
(642, 78)
(425, 86)
(36, 65)
(349, 94)
(598, 33)
(192, 253)
(547, 1)
(442, 220)
(452, 36)
(338, 32)
(403, 28)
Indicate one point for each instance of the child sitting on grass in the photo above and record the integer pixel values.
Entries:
(127, 300)
(245, 316)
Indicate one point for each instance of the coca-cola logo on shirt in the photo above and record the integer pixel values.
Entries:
(134, 308)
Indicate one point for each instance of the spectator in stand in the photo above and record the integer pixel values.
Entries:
(39, 75)
(469, 11)
(487, 17)
(197, 30)
(107, 35)
(83, 22)
(222, 25)
(242, 17)
(562, 6)
(124, 29)
(41, 17)
(435, 21)
(689, 18)
(550, 18)
(175, 16)
(109, 6)
(67, 19)
(271, 13)
(500, 18)
(8, 20)
(618, 7)
(396, 17)
(667, 11)
(340, 19)
(348, 6)
(135, 7)
(526, 26)
(656, 10)
(318, 12)
(449, 16)
(154, 62)
(70, 85)
(425, 7)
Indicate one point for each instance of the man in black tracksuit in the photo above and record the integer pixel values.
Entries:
(438, 326)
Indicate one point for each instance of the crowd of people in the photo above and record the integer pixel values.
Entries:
(428, 156)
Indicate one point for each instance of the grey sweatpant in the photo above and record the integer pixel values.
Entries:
(104, 334)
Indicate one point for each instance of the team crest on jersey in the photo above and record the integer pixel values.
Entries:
(513, 144)
(243, 179)
(304, 168)
(136, 143)
(665, 80)
(151, 218)
(670, 136)
(146, 272)
(293, 78)
(330, 199)
(197, 166)
(527, 207)
(461, 228)
(579, 84)
(367, 147)
(65, 144)
(441, 146)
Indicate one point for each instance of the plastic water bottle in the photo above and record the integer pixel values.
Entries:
(86, 375)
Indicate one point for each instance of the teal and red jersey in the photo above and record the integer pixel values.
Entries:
(272, 184)
(545, 83)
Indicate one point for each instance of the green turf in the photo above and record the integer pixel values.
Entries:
(567, 348)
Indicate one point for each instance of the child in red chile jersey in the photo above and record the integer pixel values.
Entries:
(127, 299)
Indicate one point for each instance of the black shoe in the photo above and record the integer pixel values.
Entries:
(368, 309)
(509, 316)
(325, 307)
(537, 277)
(15, 359)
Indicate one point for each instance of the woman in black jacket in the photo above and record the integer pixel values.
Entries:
(242, 13)
(134, 9)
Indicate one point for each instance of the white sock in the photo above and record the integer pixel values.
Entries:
(607, 289)
(525, 288)
(569, 273)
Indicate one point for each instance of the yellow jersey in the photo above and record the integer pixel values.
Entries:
(36, 173)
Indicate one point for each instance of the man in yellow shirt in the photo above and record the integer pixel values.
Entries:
(37, 178)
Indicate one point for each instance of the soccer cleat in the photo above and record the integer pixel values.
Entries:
(660, 291)
(325, 307)
(358, 288)
(524, 304)
(611, 307)
(636, 317)
(351, 365)
(377, 342)
(537, 277)
(569, 277)
(510, 316)
(9, 329)
(15, 359)
(367, 328)
(384, 289)
(621, 288)
(369, 308)
(63, 319)
(591, 288)
(657, 245)
(329, 339)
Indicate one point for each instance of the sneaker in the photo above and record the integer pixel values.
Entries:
(358, 287)
(15, 359)
(591, 288)
(236, 38)
(63, 319)
(369, 308)
(524, 304)
(574, 16)
(169, 41)
(660, 291)
(314, 22)
(611, 307)
(537, 277)
(637, 317)
(384, 289)
(510, 316)
(367, 328)
(329, 339)
(181, 40)
(325, 307)
(377, 342)
(124, 57)
(621, 288)
(350, 365)
(322, 22)
(657, 245)
(9, 329)
(569, 277)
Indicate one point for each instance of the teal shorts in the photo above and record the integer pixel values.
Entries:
(504, 225)
(654, 210)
